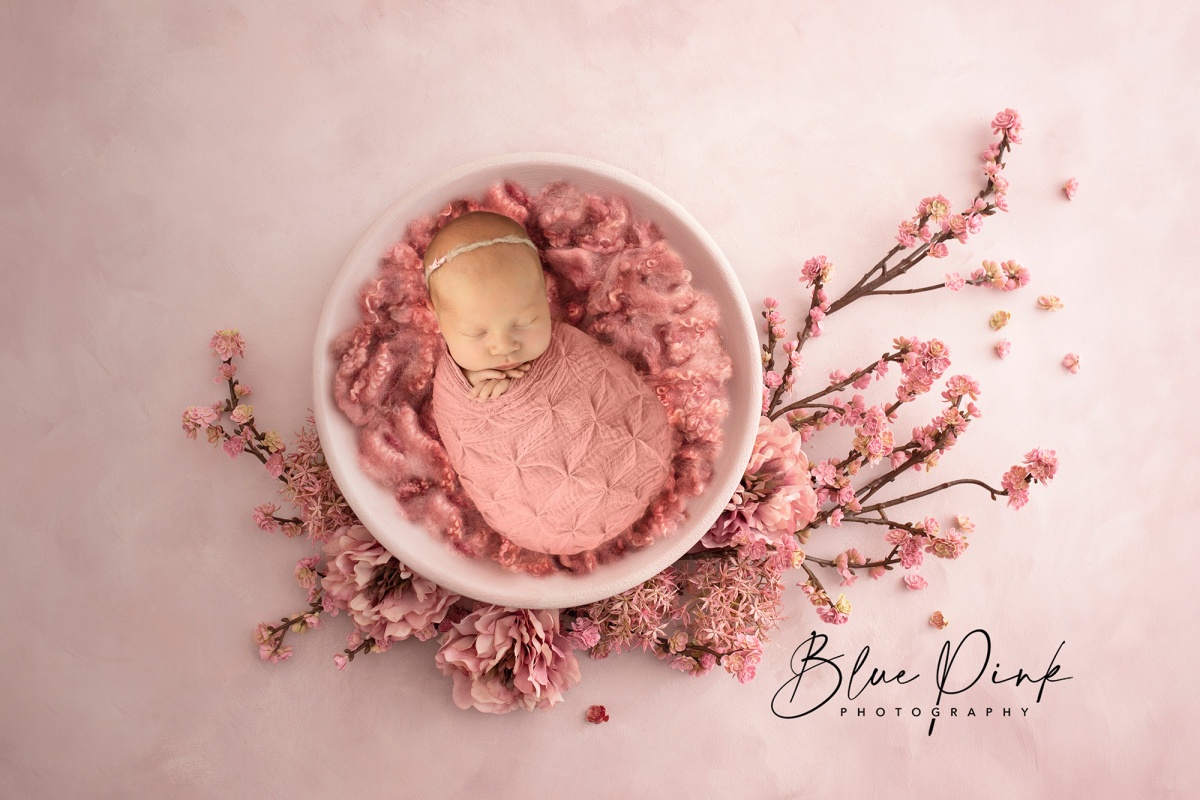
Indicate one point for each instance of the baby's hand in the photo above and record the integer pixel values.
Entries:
(476, 377)
(489, 388)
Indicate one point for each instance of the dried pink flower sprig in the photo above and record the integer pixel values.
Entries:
(922, 363)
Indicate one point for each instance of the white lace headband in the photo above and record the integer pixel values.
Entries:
(513, 238)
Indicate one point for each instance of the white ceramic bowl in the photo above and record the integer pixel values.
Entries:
(433, 557)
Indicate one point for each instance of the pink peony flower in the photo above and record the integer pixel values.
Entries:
(1071, 362)
(597, 714)
(775, 496)
(1070, 187)
(502, 659)
(387, 600)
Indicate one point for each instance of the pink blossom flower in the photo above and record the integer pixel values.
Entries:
(584, 633)
(1002, 348)
(1016, 483)
(1042, 464)
(502, 659)
(234, 446)
(1071, 362)
(341, 660)
(306, 574)
(906, 234)
(950, 545)
(771, 303)
(832, 615)
(876, 572)
(954, 281)
(1000, 201)
(964, 523)
(1070, 187)
(227, 344)
(262, 633)
(939, 250)
(597, 714)
(773, 379)
(263, 517)
(775, 496)
(274, 465)
(915, 581)
(272, 442)
(267, 652)
(1008, 121)
(938, 620)
(225, 372)
(814, 268)
(778, 331)
(242, 414)
(1048, 302)
(937, 207)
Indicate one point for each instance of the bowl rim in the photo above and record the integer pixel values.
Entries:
(578, 591)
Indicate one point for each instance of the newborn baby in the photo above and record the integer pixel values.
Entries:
(556, 439)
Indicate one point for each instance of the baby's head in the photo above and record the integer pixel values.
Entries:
(491, 301)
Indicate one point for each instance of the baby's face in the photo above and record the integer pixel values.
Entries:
(492, 319)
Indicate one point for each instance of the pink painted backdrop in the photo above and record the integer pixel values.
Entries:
(172, 168)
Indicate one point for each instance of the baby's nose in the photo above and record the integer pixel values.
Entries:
(503, 344)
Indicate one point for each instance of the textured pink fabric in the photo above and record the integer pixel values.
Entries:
(569, 456)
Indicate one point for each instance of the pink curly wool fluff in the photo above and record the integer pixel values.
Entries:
(607, 274)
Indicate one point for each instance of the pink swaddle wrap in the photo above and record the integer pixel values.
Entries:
(569, 456)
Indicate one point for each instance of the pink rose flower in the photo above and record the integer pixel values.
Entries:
(502, 659)
(597, 714)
